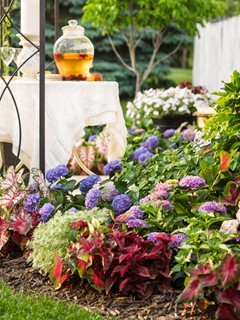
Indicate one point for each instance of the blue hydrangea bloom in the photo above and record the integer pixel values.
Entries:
(112, 167)
(139, 151)
(151, 142)
(136, 212)
(109, 192)
(121, 203)
(56, 173)
(46, 211)
(92, 198)
(144, 156)
(153, 236)
(74, 210)
(92, 138)
(88, 183)
(168, 133)
(32, 202)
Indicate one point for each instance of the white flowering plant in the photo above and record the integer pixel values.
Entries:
(157, 103)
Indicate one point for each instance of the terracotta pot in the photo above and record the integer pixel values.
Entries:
(173, 122)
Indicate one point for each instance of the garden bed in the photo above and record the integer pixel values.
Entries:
(22, 277)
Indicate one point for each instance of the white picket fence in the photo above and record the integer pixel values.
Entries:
(216, 53)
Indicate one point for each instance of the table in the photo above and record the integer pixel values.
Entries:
(70, 106)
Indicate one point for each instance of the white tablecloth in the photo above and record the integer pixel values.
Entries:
(70, 106)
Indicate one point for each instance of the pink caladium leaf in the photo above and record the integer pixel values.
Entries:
(11, 178)
(230, 296)
(230, 270)
(192, 291)
(87, 156)
(143, 272)
(231, 193)
(226, 312)
(4, 236)
(11, 197)
(4, 224)
(41, 182)
(57, 276)
(21, 222)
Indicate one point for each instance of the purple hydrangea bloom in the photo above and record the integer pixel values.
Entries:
(153, 236)
(132, 130)
(179, 238)
(56, 173)
(33, 187)
(212, 206)
(92, 138)
(88, 183)
(192, 182)
(139, 151)
(112, 167)
(92, 198)
(168, 133)
(145, 199)
(31, 202)
(164, 203)
(144, 156)
(109, 192)
(46, 211)
(134, 223)
(188, 134)
(136, 212)
(121, 203)
(151, 142)
(74, 210)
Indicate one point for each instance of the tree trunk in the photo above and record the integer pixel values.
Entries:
(138, 84)
(184, 63)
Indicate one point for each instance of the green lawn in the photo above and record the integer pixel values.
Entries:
(21, 306)
(178, 75)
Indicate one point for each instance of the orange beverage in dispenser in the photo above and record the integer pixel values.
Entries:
(74, 66)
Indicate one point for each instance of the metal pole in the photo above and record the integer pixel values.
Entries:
(42, 89)
(56, 20)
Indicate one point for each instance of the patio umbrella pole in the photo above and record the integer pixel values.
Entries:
(42, 89)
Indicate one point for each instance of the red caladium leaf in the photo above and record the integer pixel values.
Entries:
(201, 270)
(192, 291)
(107, 257)
(42, 184)
(143, 272)
(11, 197)
(209, 280)
(231, 193)
(56, 275)
(109, 282)
(124, 284)
(87, 156)
(226, 312)
(11, 178)
(4, 236)
(96, 279)
(21, 222)
(81, 267)
(122, 269)
(230, 296)
(20, 240)
(230, 270)
(225, 160)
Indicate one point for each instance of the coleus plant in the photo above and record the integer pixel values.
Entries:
(219, 287)
(110, 259)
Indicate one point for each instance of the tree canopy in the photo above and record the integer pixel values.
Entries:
(134, 18)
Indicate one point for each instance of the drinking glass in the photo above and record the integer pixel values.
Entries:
(7, 55)
(17, 51)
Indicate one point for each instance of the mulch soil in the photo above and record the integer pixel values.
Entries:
(22, 277)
